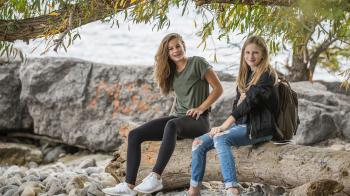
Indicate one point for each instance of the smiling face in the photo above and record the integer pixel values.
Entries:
(253, 55)
(176, 50)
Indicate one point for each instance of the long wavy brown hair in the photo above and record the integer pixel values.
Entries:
(263, 66)
(164, 67)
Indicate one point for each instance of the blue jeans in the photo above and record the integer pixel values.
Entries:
(234, 136)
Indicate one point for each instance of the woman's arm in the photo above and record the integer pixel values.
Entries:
(214, 82)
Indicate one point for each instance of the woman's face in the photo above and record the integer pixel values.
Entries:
(176, 50)
(253, 55)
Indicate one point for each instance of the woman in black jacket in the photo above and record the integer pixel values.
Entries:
(250, 122)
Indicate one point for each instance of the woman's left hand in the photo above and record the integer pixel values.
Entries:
(194, 112)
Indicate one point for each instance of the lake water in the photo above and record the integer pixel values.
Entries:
(136, 44)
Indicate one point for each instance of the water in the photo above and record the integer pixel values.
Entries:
(136, 44)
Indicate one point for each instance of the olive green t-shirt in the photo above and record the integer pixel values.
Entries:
(190, 86)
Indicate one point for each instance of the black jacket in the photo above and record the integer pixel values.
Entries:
(259, 106)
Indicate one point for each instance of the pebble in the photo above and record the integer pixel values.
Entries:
(12, 192)
(32, 165)
(94, 170)
(76, 182)
(31, 178)
(52, 154)
(13, 170)
(15, 180)
(87, 163)
(6, 188)
(30, 188)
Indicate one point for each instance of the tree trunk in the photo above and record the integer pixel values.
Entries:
(317, 188)
(298, 71)
(51, 24)
(287, 166)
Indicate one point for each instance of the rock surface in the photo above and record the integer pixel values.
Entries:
(18, 154)
(322, 114)
(12, 111)
(89, 105)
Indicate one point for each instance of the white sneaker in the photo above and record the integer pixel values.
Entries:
(120, 189)
(150, 184)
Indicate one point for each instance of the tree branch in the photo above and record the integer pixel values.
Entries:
(2, 2)
(47, 25)
(324, 46)
(59, 40)
(342, 4)
(287, 3)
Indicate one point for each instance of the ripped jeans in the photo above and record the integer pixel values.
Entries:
(234, 136)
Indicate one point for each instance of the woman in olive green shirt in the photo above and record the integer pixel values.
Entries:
(189, 78)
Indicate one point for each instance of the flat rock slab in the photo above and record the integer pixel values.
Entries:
(19, 154)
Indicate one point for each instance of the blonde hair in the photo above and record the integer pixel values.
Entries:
(263, 66)
(164, 66)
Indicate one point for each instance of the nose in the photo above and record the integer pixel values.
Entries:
(176, 50)
(251, 56)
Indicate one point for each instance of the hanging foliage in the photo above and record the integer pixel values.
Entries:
(316, 31)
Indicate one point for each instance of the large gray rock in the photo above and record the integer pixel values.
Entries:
(322, 114)
(87, 104)
(317, 123)
(12, 111)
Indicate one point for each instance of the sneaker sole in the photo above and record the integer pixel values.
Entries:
(155, 190)
(118, 194)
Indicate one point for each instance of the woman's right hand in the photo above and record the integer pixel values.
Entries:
(228, 122)
(215, 130)
(195, 112)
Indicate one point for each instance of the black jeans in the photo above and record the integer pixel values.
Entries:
(167, 130)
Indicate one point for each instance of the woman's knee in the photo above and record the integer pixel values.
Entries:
(134, 136)
(200, 145)
(171, 126)
(196, 144)
(220, 140)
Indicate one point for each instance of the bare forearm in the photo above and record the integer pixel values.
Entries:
(228, 122)
(214, 82)
(213, 96)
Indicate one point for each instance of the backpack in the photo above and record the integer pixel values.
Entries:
(286, 119)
